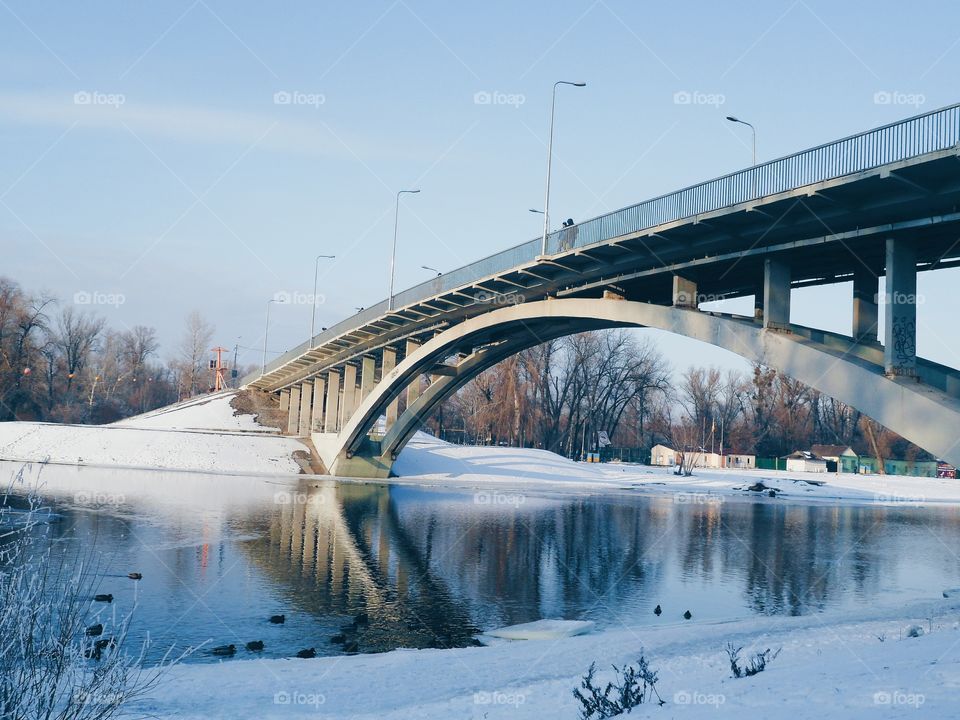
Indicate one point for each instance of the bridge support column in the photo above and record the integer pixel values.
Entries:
(367, 370)
(348, 403)
(306, 396)
(388, 364)
(316, 417)
(293, 412)
(900, 310)
(866, 288)
(684, 292)
(331, 412)
(776, 294)
(413, 389)
(285, 399)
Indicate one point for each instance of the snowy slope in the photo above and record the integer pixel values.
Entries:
(158, 440)
(207, 412)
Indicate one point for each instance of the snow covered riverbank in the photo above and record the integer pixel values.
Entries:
(429, 461)
(202, 434)
(829, 667)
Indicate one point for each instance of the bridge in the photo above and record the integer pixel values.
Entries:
(879, 203)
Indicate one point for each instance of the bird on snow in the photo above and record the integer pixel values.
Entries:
(687, 615)
(657, 611)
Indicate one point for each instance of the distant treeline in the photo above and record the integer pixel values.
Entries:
(566, 394)
(61, 362)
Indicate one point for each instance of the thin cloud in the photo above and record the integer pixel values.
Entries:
(180, 123)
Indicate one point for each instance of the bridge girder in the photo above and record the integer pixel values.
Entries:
(839, 367)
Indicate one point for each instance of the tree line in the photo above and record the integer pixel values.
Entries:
(61, 362)
(566, 394)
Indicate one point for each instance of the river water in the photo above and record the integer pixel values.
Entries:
(219, 555)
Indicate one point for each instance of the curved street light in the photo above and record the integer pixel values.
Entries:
(393, 254)
(546, 200)
(753, 132)
(266, 331)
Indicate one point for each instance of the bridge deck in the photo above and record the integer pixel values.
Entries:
(827, 209)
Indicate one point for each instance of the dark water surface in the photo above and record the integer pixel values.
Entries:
(219, 555)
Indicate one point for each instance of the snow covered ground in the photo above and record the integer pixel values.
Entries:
(832, 665)
(206, 412)
(427, 460)
(201, 435)
(828, 667)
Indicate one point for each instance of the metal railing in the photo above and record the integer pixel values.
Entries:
(930, 132)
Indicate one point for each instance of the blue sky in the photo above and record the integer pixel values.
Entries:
(148, 151)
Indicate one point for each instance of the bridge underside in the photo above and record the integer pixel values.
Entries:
(885, 203)
(923, 407)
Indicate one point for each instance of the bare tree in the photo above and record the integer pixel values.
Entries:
(194, 349)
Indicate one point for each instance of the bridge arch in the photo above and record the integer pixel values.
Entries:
(925, 410)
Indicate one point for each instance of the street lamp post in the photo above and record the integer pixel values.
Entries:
(393, 254)
(266, 331)
(432, 269)
(313, 311)
(546, 200)
(753, 132)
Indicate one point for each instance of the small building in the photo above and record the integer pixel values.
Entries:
(913, 468)
(946, 470)
(663, 456)
(805, 461)
(839, 458)
(702, 459)
(740, 461)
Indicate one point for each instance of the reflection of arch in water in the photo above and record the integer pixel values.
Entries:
(335, 546)
(556, 557)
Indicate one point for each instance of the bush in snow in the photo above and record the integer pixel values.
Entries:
(632, 686)
(53, 665)
(757, 664)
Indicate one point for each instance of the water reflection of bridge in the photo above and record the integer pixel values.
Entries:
(429, 567)
(340, 551)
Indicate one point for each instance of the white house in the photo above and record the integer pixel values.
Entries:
(805, 461)
(663, 456)
(740, 461)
